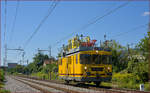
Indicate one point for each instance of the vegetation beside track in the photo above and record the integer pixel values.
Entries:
(135, 72)
(2, 78)
(1, 75)
(46, 75)
(37, 69)
(130, 73)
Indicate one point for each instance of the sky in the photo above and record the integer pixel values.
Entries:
(67, 18)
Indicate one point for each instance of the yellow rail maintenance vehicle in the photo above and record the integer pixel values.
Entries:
(82, 61)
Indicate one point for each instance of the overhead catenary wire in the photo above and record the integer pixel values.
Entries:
(50, 10)
(14, 22)
(131, 30)
(93, 21)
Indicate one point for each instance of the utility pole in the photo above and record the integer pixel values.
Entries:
(149, 49)
(49, 51)
(105, 37)
(27, 61)
(19, 62)
(129, 53)
(100, 43)
(50, 58)
(23, 57)
(5, 59)
(128, 48)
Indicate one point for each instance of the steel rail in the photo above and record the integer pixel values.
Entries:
(34, 86)
(105, 90)
(57, 88)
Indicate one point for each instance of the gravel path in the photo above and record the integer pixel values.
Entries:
(15, 86)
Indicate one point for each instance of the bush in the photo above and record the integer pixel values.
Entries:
(139, 70)
(147, 86)
(125, 80)
(128, 80)
(1, 75)
(118, 77)
(42, 75)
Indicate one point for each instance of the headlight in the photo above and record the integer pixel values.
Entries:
(85, 68)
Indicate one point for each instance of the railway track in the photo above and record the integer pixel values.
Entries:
(44, 88)
(60, 87)
(83, 86)
(34, 86)
(49, 86)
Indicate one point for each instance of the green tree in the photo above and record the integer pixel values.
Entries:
(36, 65)
(50, 68)
(141, 70)
(143, 46)
(17, 69)
(119, 57)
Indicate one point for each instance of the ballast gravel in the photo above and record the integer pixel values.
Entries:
(66, 86)
(15, 86)
(43, 87)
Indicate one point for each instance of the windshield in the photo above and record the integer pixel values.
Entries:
(95, 59)
(85, 58)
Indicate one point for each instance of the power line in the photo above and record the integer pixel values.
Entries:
(94, 21)
(50, 10)
(134, 29)
(14, 21)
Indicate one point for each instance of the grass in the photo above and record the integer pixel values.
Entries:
(3, 90)
(106, 84)
(127, 85)
(1, 85)
(124, 85)
(147, 86)
(45, 76)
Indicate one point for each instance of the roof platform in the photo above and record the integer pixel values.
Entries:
(83, 48)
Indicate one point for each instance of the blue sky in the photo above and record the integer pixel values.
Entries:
(67, 18)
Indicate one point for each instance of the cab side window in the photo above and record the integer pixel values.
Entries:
(76, 58)
(60, 61)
